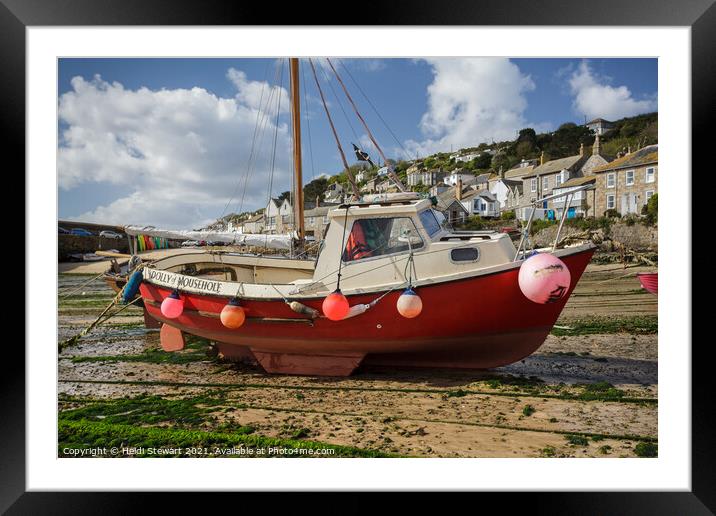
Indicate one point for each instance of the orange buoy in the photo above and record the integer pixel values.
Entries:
(232, 315)
(335, 306)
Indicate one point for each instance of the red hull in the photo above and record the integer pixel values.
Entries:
(649, 281)
(480, 322)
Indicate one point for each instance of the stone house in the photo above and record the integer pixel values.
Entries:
(254, 224)
(449, 203)
(549, 177)
(316, 219)
(423, 176)
(627, 183)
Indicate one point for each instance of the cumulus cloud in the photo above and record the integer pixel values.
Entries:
(182, 151)
(472, 100)
(595, 97)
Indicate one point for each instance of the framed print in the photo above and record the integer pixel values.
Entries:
(423, 253)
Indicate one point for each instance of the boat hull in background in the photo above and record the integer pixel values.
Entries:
(479, 322)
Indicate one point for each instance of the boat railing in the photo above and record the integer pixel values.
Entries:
(569, 194)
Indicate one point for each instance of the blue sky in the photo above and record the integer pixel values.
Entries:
(165, 141)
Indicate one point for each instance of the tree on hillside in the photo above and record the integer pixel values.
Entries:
(316, 188)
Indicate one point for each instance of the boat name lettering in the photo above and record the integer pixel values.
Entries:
(181, 282)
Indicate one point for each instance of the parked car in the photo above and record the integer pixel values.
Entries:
(80, 232)
(62, 231)
(110, 234)
(215, 243)
(190, 243)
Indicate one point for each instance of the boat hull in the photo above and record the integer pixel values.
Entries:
(477, 322)
(649, 281)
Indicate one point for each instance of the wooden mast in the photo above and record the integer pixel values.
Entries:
(298, 172)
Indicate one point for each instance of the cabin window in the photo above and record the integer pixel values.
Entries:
(429, 222)
(379, 237)
(464, 254)
(629, 177)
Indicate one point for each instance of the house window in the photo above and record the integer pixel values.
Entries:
(610, 202)
(379, 237)
(558, 179)
(325, 219)
(534, 184)
(648, 195)
(650, 175)
(545, 183)
(311, 221)
(611, 180)
(272, 221)
(629, 177)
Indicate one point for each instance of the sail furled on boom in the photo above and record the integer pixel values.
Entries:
(280, 242)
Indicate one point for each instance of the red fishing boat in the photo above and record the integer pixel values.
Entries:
(391, 285)
(649, 281)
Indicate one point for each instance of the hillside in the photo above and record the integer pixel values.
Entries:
(628, 133)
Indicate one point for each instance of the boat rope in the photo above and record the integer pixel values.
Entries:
(68, 294)
(407, 154)
(253, 141)
(343, 243)
(308, 121)
(351, 180)
(102, 317)
(391, 172)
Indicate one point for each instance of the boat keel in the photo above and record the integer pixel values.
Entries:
(314, 365)
(150, 322)
(171, 338)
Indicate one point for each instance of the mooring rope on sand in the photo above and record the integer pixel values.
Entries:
(101, 317)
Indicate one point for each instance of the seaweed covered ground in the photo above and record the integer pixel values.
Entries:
(589, 391)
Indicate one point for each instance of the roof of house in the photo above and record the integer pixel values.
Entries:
(519, 171)
(486, 194)
(255, 218)
(577, 181)
(446, 198)
(644, 156)
(556, 165)
(597, 120)
(320, 211)
(482, 178)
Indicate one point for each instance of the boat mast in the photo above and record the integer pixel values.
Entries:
(298, 172)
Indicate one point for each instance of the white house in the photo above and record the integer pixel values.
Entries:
(459, 174)
(334, 193)
(482, 203)
(599, 126)
(505, 190)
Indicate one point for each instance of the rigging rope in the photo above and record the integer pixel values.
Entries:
(351, 179)
(391, 172)
(308, 121)
(407, 154)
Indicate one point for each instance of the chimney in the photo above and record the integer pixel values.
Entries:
(541, 158)
(597, 147)
(458, 189)
(318, 201)
(581, 149)
(502, 173)
(629, 149)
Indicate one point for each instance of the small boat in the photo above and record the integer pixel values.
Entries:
(391, 285)
(649, 281)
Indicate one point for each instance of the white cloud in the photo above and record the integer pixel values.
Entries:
(182, 151)
(594, 97)
(472, 100)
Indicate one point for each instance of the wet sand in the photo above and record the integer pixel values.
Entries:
(584, 395)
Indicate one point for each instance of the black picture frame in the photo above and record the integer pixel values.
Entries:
(700, 15)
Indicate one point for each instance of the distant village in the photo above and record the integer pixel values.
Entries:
(620, 181)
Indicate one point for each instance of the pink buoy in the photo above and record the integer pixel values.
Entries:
(409, 304)
(172, 306)
(335, 306)
(544, 278)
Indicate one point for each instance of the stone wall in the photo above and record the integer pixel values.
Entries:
(74, 244)
(638, 237)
